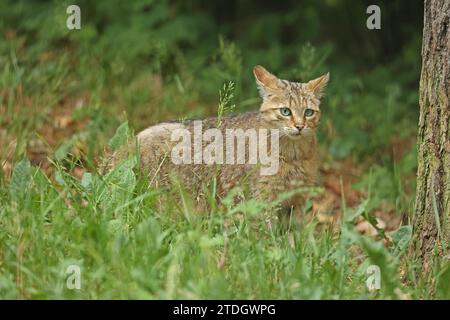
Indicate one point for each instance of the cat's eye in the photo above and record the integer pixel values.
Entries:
(309, 112)
(285, 111)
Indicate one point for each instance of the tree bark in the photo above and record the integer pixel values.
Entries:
(431, 222)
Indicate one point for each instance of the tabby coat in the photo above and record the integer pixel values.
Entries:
(290, 107)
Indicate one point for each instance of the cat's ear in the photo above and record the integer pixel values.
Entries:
(318, 85)
(267, 82)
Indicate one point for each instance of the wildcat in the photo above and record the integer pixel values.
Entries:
(290, 107)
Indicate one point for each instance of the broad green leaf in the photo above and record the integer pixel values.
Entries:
(357, 212)
(86, 180)
(63, 150)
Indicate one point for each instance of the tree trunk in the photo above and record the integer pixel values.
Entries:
(431, 221)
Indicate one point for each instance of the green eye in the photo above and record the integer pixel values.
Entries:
(309, 112)
(285, 111)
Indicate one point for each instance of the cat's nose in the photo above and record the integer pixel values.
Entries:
(299, 127)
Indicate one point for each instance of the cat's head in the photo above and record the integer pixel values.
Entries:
(292, 107)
